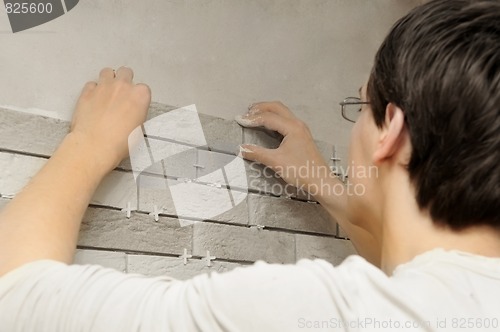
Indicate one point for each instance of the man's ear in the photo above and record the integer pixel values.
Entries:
(391, 134)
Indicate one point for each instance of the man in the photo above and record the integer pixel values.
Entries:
(428, 222)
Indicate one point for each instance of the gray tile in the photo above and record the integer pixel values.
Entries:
(31, 133)
(221, 135)
(191, 200)
(110, 229)
(263, 179)
(17, 171)
(174, 267)
(327, 248)
(262, 137)
(242, 243)
(290, 214)
(110, 259)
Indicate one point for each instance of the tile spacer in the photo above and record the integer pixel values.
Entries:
(209, 259)
(257, 227)
(128, 209)
(185, 256)
(334, 157)
(156, 213)
(198, 166)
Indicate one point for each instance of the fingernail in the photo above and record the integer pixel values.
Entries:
(246, 121)
(253, 111)
(243, 149)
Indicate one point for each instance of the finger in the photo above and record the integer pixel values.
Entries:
(259, 154)
(106, 75)
(88, 88)
(143, 92)
(271, 121)
(247, 121)
(273, 107)
(125, 74)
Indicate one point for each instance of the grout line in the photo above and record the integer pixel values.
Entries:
(159, 254)
(164, 139)
(268, 228)
(300, 232)
(126, 170)
(23, 153)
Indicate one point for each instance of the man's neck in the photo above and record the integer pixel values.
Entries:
(408, 232)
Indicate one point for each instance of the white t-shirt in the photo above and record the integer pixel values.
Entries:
(436, 291)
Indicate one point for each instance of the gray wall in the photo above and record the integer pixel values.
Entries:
(271, 221)
(219, 54)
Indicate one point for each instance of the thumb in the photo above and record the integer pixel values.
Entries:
(259, 154)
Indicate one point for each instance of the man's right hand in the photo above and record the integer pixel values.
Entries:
(297, 159)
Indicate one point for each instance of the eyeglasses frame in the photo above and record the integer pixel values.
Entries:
(347, 102)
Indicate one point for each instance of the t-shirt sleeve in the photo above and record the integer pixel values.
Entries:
(52, 296)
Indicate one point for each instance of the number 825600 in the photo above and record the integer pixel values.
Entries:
(28, 8)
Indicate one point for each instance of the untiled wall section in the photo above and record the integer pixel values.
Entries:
(274, 222)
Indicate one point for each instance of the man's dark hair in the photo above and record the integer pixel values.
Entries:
(441, 65)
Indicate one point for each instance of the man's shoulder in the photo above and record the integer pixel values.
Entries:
(440, 261)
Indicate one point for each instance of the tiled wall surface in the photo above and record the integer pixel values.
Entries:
(267, 225)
